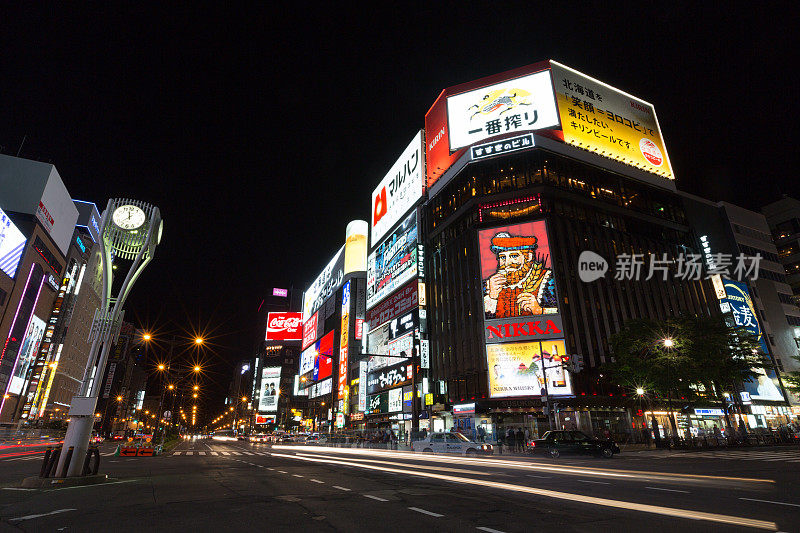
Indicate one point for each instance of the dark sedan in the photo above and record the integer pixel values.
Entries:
(556, 443)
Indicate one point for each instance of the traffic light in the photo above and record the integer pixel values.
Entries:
(577, 363)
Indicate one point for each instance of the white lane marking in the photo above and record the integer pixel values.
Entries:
(571, 497)
(30, 516)
(297, 475)
(201, 453)
(770, 501)
(15, 488)
(97, 484)
(341, 488)
(596, 482)
(317, 481)
(214, 453)
(248, 453)
(107, 454)
(176, 453)
(236, 453)
(268, 468)
(283, 471)
(490, 530)
(370, 496)
(423, 511)
(668, 490)
(225, 453)
(540, 477)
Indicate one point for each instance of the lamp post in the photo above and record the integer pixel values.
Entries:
(130, 230)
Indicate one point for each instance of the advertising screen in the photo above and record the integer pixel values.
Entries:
(520, 104)
(12, 244)
(321, 388)
(519, 288)
(342, 387)
(605, 120)
(27, 354)
(394, 338)
(516, 369)
(737, 301)
(316, 361)
(284, 326)
(399, 190)
(270, 389)
(310, 330)
(328, 281)
(393, 262)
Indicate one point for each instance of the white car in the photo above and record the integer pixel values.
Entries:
(451, 443)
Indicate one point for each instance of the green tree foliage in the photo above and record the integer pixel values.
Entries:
(705, 351)
(791, 380)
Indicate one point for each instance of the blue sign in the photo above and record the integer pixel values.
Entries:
(80, 244)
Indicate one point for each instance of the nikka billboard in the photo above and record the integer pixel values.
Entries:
(399, 191)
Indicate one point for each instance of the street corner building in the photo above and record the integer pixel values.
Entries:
(533, 215)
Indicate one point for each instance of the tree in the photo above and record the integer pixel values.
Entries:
(703, 357)
(791, 380)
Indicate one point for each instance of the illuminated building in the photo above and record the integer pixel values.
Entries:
(534, 180)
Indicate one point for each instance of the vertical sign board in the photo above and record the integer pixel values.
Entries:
(362, 386)
(740, 305)
(399, 190)
(345, 334)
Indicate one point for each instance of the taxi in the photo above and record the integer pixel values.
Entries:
(440, 442)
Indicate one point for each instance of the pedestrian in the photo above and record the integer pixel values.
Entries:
(500, 439)
(510, 439)
(481, 434)
(527, 436)
(717, 433)
(520, 438)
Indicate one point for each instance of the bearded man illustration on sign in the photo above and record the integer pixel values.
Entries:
(523, 284)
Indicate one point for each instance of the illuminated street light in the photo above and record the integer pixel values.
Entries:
(161, 367)
(640, 391)
(171, 386)
(194, 395)
(198, 340)
(146, 336)
(196, 387)
(244, 398)
(197, 368)
(669, 343)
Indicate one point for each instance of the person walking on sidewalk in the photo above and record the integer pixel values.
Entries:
(520, 437)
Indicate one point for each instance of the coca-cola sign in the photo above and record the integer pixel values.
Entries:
(285, 326)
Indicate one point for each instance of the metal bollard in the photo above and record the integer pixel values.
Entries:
(53, 462)
(67, 460)
(96, 466)
(85, 469)
(47, 455)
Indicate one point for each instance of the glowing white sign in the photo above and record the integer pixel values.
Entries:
(511, 106)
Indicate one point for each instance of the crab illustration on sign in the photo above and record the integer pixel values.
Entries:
(505, 99)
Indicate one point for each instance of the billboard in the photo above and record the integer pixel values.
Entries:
(517, 369)
(393, 262)
(394, 338)
(399, 190)
(316, 362)
(27, 354)
(309, 331)
(12, 244)
(284, 326)
(355, 247)
(602, 119)
(515, 105)
(327, 282)
(740, 305)
(519, 287)
(270, 389)
(390, 377)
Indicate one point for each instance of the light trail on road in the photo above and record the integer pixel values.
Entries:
(571, 497)
(567, 470)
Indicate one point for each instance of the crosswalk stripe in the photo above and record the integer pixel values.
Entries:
(190, 452)
(214, 453)
(201, 453)
(236, 453)
(248, 453)
(176, 453)
(225, 453)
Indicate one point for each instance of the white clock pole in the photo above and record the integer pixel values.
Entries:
(130, 230)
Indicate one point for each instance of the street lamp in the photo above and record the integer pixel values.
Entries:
(197, 368)
(199, 340)
(668, 343)
(639, 391)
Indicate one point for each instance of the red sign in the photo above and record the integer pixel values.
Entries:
(284, 326)
(404, 299)
(359, 328)
(310, 331)
(261, 419)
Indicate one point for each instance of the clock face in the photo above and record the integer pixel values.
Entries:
(128, 217)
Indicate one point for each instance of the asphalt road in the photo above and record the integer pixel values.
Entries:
(237, 486)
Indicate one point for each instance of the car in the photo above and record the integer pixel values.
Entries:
(555, 443)
(441, 442)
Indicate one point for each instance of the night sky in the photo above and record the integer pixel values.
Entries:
(261, 133)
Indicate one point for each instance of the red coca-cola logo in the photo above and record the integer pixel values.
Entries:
(284, 326)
